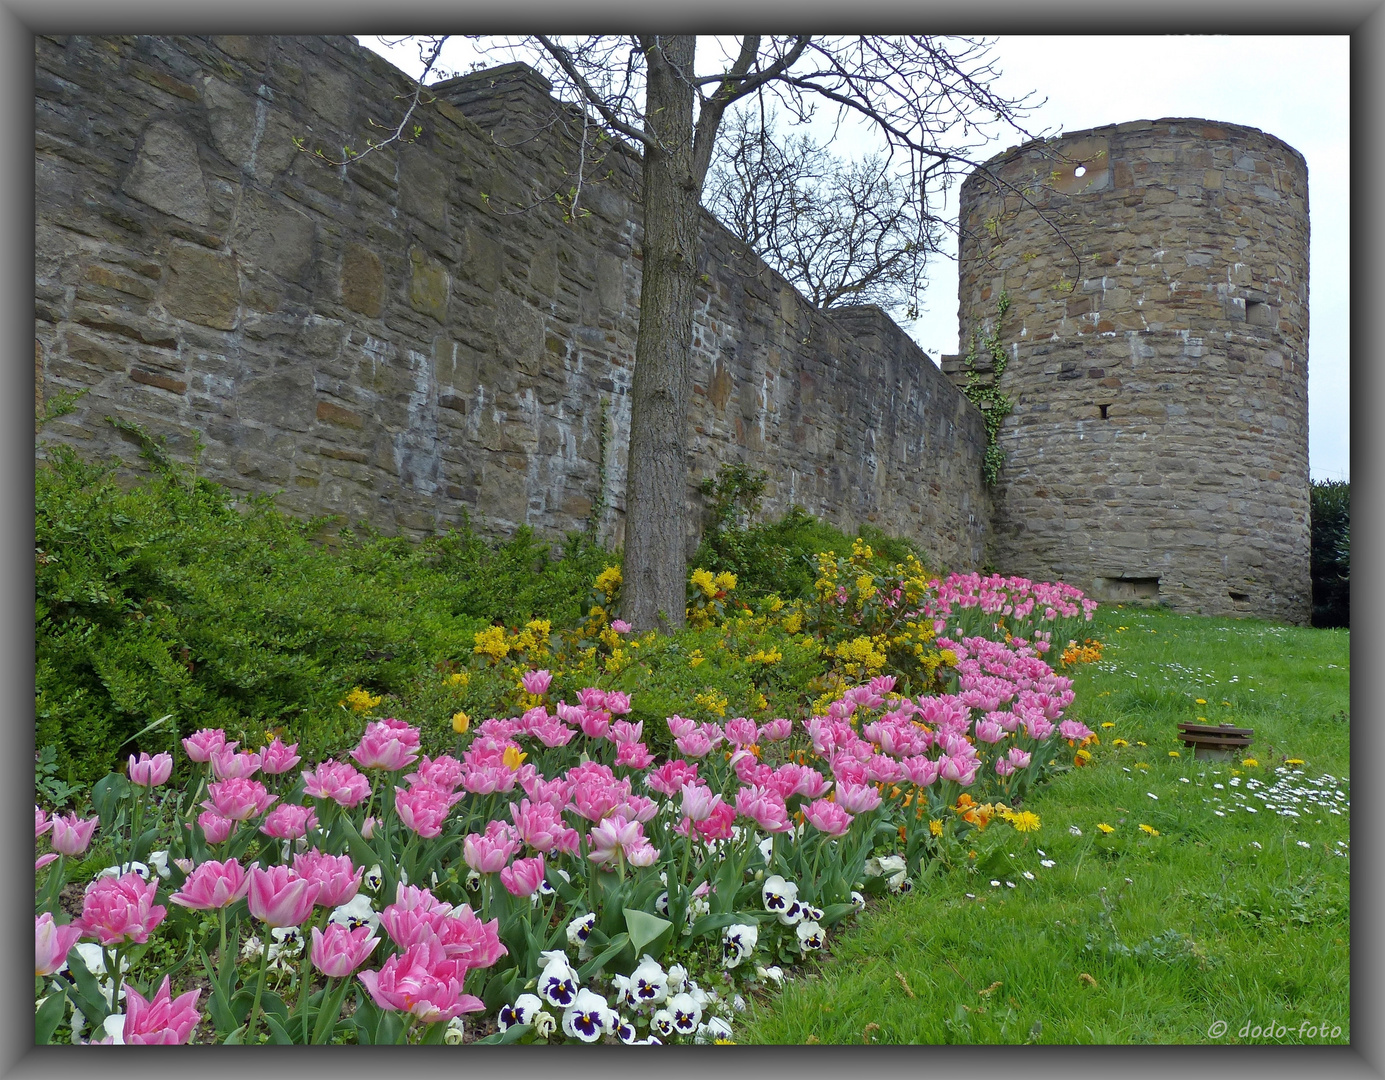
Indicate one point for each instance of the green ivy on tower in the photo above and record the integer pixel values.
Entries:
(994, 405)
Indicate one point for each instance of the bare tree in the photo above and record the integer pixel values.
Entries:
(927, 97)
(843, 232)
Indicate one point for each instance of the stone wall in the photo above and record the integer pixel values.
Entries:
(1157, 274)
(401, 341)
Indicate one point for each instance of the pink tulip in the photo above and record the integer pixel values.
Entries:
(539, 824)
(857, 798)
(215, 827)
(719, 825)
(642, 855)
(487, 853)
(764, 807)
(537, 682)
(368, 827)
(200, 745)
(696, 744)
(41, 822)
(488, 779)
(52, 944)
(699, 802)
(777, 730)
(229, 765)
(445, 772)
(741, 731)
(44, 860)
(212, 885)
(338, 878)
(279, 897)
(592, 698)
(289, 822)
(1020, 759)
(634, 755)
(614, 835)
(339, 951)
(1004, 766)
(921, 770)
(622, 731)
(595, 797)
(238, 799)
(678, 726)
(1074, 729)
(424, 809)
(553, 733)
(150, 771)
(387, 744)
(523, 876)
(71, 834)
(617, 703)
(423, 982)
(827, 817)
(163, 1021)
(120, 910)
(620, 626)
(338, 781)
(276, 758)
(594, 724)
(669, 778)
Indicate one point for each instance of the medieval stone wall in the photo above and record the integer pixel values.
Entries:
(422, 333)
(1156, 343)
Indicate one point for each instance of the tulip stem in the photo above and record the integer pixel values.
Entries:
(259, 989)
(326, 1016)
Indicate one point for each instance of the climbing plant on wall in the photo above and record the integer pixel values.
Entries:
(986, 396)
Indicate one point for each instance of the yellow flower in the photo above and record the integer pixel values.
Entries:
(513, 757)
(1250, 763)
(724, 582)
(1119, 742)
(1149, 829)
(1201, 701)
(948, 657)
(1293, 761)
(491, 642)
(460, 722)
(695, 657)
(360, 700)
(935, 827)
(609, 580)
(1081, 758)
(793, 622)
(703, 580)
(1107, 724)
(1138, 743)
(1024, 821)
(1174, 753)
(1104, 827)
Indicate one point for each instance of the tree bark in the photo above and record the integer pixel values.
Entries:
(655, 565)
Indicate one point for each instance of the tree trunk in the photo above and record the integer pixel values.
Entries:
(655, 571)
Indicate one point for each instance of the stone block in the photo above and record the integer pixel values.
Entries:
(335, 414)
(167, 175)
(202, 287)
(273, 236)
(429, 285)
(362, 280)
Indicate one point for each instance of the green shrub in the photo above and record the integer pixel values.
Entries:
(173, 598)
(1331, 552)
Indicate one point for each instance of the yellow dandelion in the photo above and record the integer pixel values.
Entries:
(935, 827)
(1250, 763)
(1293, 761)
(1174, 753)
(1104, 827)
(1201, 701)
(460, 722)
(1024, 821)
(1119, 742)
(1150, 829)
(1138, 743)
(1107, 724)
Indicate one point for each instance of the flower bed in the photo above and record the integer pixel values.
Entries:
(551, 872)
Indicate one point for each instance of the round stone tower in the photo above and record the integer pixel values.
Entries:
(1153, 278)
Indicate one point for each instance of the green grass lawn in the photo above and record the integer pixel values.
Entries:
(1239, 917)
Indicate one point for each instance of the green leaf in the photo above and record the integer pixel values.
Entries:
(718, 920)
(49, 1015)
(611, 951)
(277, 1034)
(234, 1039)
(835, 913)
(107, 795)
(87, 993)
(513, 1033)
(147, 727)
(646, 929)
(144, 845)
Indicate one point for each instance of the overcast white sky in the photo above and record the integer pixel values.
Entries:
(1293, 87)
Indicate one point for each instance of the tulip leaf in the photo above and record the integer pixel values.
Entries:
(144, 844)
(218, 1003)
(362, 852)
(835, 913)
(49, 1015)
(106, 796)
(513, 1033)
(501, 989)
(277, 1035)
(718, 920)
(610, 952)
(234, 1039)
(86, 993)
(645, 930)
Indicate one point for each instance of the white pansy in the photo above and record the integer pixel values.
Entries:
(355, 913)
(251, 948)
(766, 848)
(661, 903)
(123, 869)
(579, 929)
(454, 1032)
(114, 1028)
(626, 1033)
(524, 1010)
(589, 1017)
(649, 982)
(778, 895)
(715, 1028)
(545, 1024)
(557, 980)
(812, 914)
(374, 878)
(737, 942)
(810, 935)
(473, 881)
(738, 1003)
(677, 978)
(858, 901)
(686, 1013)
(773, 973)
(159, 861)
(662, 1023)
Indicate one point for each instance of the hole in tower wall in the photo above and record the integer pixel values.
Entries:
(1237, 595)
(1127, 588)
(1103, 409)
(1259, 313)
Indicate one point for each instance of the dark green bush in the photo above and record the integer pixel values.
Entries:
(775, 556)
(173, 599)
(1331, 558)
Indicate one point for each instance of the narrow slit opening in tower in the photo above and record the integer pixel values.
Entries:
(1103, 409)
(1240, 596)
(1259, 313)
(1128, 588)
